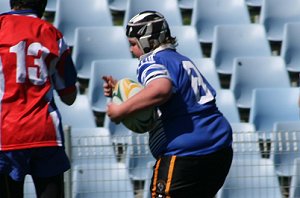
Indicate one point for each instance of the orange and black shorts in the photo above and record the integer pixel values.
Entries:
(190, 176)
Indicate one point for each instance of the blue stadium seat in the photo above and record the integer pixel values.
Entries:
(79, 114)
(290, 47)
(227, 105)
(105, 180)
(187, 40)
(286, 146)
(4, 6)
(242, 127)
(275, 13)
(147, 193)
(249, 178)
(208, 69)
(287, 126)
(138, 156)
(119, 132)
(169, 8)
(231, 41)
(256, 72)
(294, 191)
(270, 105)
(254, 3)
(118, 68)
(71, 14)
(98, 43)
(186, 4)
(91, 145)
(207, 14)
(118, 5)
(51, 6)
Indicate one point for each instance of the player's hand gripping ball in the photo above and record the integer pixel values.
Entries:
(141, 121)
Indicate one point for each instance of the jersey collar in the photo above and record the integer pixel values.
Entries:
(160, 48)
(21, 12)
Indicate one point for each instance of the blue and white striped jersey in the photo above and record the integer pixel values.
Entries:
(191, 124)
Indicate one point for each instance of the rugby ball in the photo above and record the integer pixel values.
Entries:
(141, 121)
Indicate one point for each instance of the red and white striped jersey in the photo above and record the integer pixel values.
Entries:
(34, 61)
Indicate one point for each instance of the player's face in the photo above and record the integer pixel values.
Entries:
(135, 48)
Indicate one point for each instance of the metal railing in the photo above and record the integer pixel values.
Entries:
(263, 166)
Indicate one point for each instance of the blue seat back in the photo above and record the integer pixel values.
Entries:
(270, 105)
(105, 180)
(256, 72)
(71, 14)
(250, 178)
(231, 41)
(79, 114)
(207, 14)
(169, 8)
(227, 105)
(118, 69)
(187, 40)
(98, 43)
(4, 6)
(290, 47)
(275, 13)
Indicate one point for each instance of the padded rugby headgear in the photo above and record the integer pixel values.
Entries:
(146, 26)
(36, 5)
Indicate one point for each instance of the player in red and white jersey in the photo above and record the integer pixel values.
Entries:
(34, 61)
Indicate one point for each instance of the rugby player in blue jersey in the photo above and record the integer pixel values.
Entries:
(192, 139)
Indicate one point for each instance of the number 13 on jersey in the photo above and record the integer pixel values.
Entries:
(36, 71)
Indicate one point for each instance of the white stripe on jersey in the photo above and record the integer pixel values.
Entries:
(56, 122)
(156, 77)
(62, 46)
(159, 71)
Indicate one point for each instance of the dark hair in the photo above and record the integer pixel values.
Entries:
(167, 40)
(36, 5)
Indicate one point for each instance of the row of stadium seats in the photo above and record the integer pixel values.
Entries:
(267, 70)
(206, 14)
(249, 73)
(121, 5)
(248, 40)
(230, 42)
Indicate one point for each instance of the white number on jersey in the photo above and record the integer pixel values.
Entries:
(197, 82)
(37, 73)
